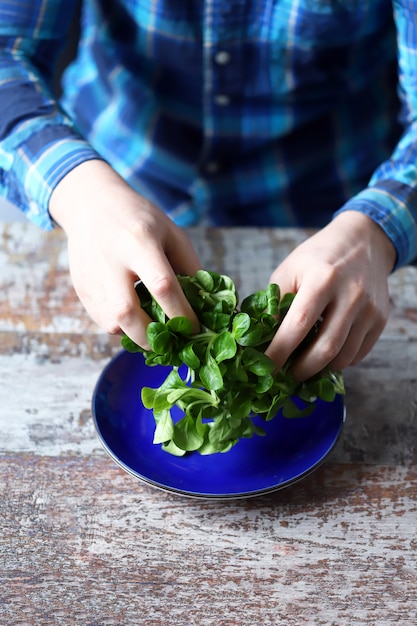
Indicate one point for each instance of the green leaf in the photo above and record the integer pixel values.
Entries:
(269, 322)
(272, 296)
(228, 300)
(189, 357)
(240, 325)
(210, 374)
(148, 397)
(224, 347)
(210, 447)
(257, 362)
(220, 432)
(192, 293)
(291, 410)
(261, 404)
(277, 404)
(172, 381)
(337, 380)
(227, 283)
(205, 279)
(324, 389)
(171, 448)
(159, 338)
(253, 337)
(241, 406)
(285, 304)
(255, 304)
(129, 345)
(156, 312)
(186, 435)
(200, 346)
(236, 373)
(264, 383)
(164, 430)
(306, 394)
(257, 430)
(229, 378)
(177, 394)
(181, 325)
(201, 427)
(216, 322)
(161, 402)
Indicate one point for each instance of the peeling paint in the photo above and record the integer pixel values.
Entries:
(84, 543)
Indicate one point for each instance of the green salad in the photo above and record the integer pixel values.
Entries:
(220, 378)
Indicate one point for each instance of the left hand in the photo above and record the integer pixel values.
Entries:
(339, 274)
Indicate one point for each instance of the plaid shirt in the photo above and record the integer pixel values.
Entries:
(243, 112)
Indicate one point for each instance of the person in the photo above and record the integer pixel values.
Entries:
(249, 112)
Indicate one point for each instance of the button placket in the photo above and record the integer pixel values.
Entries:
(216, 96)
(222, 57)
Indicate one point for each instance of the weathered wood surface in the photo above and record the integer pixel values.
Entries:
(83, 543)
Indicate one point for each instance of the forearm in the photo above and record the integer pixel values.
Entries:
(391, 198)
(38, 144)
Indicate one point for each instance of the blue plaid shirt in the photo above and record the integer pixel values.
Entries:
(242, 112)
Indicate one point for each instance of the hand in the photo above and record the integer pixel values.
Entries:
(339, 274)
(115, 236)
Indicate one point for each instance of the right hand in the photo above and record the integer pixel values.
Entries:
(115, 237)
(340, 274)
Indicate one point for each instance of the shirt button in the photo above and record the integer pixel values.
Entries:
(222, 57)
(212, 167)
(222, 100)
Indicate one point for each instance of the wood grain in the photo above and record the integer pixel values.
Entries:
(46, 391)
(37, 295)
(83, 543)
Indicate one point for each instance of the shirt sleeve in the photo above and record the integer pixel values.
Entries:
(39, 144)
(391, 197)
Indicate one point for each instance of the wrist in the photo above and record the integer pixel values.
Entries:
(86, 192)
(368, 231)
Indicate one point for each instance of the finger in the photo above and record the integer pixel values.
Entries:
(379, 316)
(161, 281)
(334, 348)
(181, 254)
(305, 310)
(349, 349)
(369, 322)
(340, 338)
(367, 345)
(124, 312)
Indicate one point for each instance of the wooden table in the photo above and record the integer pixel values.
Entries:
(84, 543)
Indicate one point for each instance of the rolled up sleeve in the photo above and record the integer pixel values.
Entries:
(39, 144)
(391, 197)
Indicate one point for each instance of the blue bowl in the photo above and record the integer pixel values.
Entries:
(291, 449)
